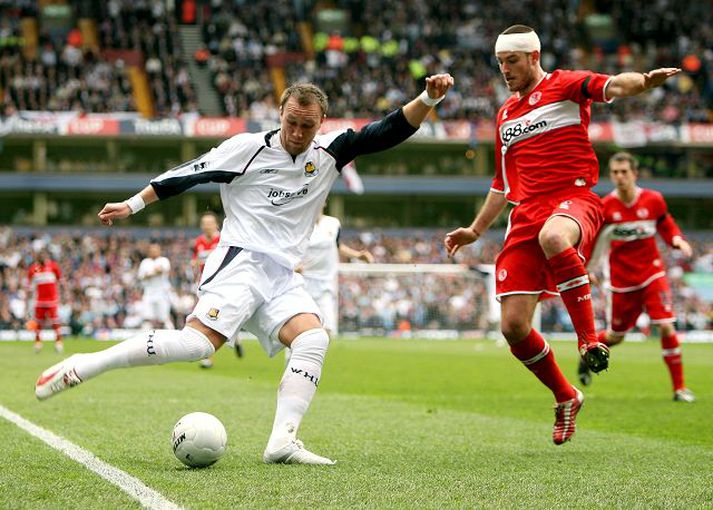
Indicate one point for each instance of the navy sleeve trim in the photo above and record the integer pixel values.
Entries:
(339, 233)
(585, 87)
(251, 160)
(175, 185)
(375, 137)
(661, 218)
(269, 136)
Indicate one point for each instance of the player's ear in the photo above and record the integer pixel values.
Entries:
(535, 57)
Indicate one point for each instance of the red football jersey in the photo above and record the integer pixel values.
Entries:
(202, 247)
(542, 145)
(634, 259)
(44, 282)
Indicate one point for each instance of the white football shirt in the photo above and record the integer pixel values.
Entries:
(270, 198)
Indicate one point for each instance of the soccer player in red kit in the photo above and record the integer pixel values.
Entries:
(546, 166)
(202, 247)
(637, 275)
(43, 278)
(206, 242)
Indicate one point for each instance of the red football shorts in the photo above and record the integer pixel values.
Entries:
(655, 298)
(46, 313)
(521, 267)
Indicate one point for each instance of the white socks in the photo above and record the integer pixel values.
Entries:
(298, 384)
(153, 347)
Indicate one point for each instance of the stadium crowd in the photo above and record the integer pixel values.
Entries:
(100, 290)
(378, 58)
(67, 73)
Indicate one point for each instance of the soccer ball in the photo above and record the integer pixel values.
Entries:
(199, 439)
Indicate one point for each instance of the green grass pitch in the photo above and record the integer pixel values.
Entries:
(413, 424)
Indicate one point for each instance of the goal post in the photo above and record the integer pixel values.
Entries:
(417, 300)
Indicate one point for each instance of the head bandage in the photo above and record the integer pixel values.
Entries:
(526, 42)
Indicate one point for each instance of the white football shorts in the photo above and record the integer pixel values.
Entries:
(249, 290)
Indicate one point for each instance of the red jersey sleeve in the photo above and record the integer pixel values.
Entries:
(498, 184)
(56, 270)
(665, 224)
(585, 86)
(194, 255)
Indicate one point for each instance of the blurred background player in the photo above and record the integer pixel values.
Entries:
(636, 272)
(203, 246)
(320, 267)
(545, 165)
(154, 274)
(43, 278)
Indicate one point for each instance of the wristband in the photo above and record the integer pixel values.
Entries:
(135, 203)
(428, 100)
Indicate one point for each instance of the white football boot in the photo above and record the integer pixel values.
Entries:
(684, 395)
(294, 453)
(57, 378)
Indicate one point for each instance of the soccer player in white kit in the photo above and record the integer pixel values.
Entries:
(154, 273)
(272, 185)
(320, 267)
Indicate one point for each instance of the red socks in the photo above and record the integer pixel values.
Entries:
(573, 285)
(672, 357)
(536, 355)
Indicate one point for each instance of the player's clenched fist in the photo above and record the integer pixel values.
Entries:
(438, 84)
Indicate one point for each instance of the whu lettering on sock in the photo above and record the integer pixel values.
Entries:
(314, 379)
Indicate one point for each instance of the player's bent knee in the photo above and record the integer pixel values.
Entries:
(514, 330)
(196, 345)
(310, 345)
(215, 338)
(552, 240)
(296, 325)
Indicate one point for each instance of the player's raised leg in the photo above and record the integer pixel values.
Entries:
(308, 342)
(152, 347)
(534, 352)
(557, 238)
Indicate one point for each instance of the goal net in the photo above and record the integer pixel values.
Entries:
(417, 300)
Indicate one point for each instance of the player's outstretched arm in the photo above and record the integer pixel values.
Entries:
(120, 210)
(436, 87)
(631, 84)
(494, 204)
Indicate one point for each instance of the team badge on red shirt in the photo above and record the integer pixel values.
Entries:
(535, 97)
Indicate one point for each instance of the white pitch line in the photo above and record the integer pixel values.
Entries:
(134, 487)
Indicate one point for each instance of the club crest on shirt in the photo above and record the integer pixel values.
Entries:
(616, 216)
(502, 274)
(535, 98)
(642, 213)
(213, 314)
(310, 169)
